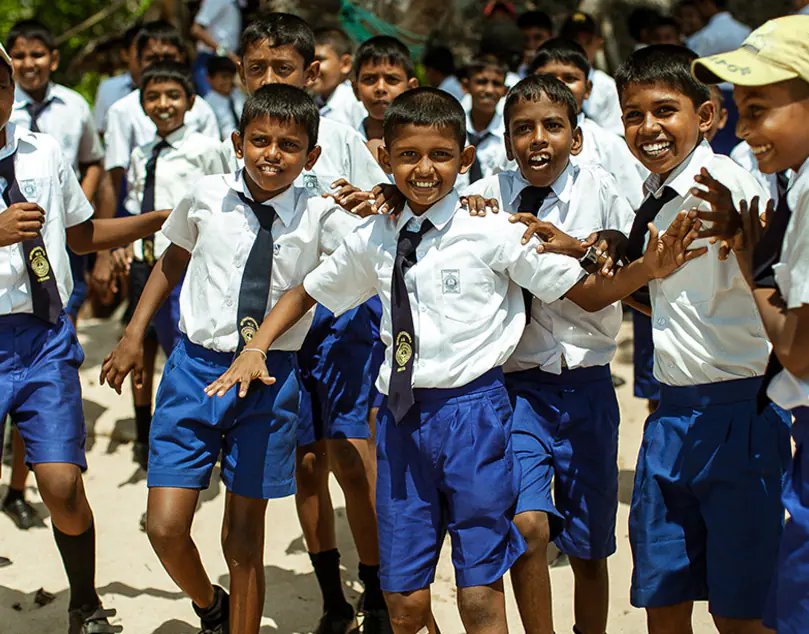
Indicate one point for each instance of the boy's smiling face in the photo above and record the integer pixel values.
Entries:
(275, 152)
(333, 69)
(662, 124)
(379, 83)
(262, 64)
(487, 88)
(33, 65)
(571, 76)
(424, 162)
(540, 139)
(165, 103)
(6, 97)
(159, 51)
(773, 120)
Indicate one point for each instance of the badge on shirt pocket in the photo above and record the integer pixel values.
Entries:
(276, 249)
(451, 281)
(28, 187)
(310, 182)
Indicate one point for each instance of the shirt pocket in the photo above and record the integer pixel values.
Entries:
(287, 268)
(467, 294)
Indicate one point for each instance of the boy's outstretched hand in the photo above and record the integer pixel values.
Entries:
(610, 244)
(726, 224)
(667, 252)
(249, 366)
(352, 199)
(752, 230)
(126, 357)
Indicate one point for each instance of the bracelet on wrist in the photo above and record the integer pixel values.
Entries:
(259, 350)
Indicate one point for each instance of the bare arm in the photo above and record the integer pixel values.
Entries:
(638, 306)
(107, 233)
(93, 176)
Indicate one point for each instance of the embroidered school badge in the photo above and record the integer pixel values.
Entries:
(248, 328)
(39, 264)
(28, 188)
(404, 350)
(310, 182)
(451, 281)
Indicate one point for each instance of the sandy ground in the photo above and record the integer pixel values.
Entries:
(131, 580)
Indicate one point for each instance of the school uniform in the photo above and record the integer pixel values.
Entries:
(445, 460)
(705, 519)
(609, 151)
(565, 427)
(167, 169)
(228, 111)
(723, 33)
(223, 20)
(109, 91)
(343, 106)
(644, 383)
(128, 127)
(222, 304)
(490, 150)
(787, 610)
(603, 105)
(743, 155)
(39, 352)
(452, 85)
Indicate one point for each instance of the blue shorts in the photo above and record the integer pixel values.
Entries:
(40, 388)
(339, 363)
(706, 515)
(255, 435)
(78, 265)
(165, 324)
(643, 358)
(448, 466)
(788, 607)
(565, 435)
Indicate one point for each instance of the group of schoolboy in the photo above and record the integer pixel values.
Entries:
(331, 301)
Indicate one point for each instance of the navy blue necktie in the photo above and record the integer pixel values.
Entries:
(476, 171)
(234, 112)
(257, 277)
(531, 200)
(35, 110)
(148, 203)
(400, 398)
(44, 290)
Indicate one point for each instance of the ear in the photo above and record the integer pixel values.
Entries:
(413, 82)
(55, 58)
(383, 156)
(191, 99)
(509, 149)
(240, 70)
(588, 90)
(465, 84)
(356, 89)
(578, 142)
(312, 157)
(706, 113)
(238, 144)
(467, 158)
(346, 63)
(311, 73)
(723, 118)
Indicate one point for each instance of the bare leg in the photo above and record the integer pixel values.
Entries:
(529, 574)
(740, 626)
(672, 619)
(410, 611)
(62, 490)
(483, 609)
(19, 470)
(592, 594)
(315, 510)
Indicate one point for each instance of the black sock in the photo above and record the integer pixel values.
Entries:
(374, 599)
(143, 421)
(327, 571)
(12, 495)
(216, 613)
(79, 559)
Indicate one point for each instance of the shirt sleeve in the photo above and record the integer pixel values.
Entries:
(118, 137)
(208, 10)
(365, 171)
(90, 148)
(336, 224)
(77, 208)
(618, 213)
(134, 184)
(798, 263)
(346, 278)
(179, 228)
(207, 123)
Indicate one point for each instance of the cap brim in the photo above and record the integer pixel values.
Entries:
(741, 67)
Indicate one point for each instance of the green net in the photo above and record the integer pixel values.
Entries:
(360, 24)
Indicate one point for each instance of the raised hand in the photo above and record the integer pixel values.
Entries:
(20, 222)
(126, 357)
(554, 239)
(477, 205)
(668, 252)
(249, 366)
(610, 244)
(351, 198)
(752, 230)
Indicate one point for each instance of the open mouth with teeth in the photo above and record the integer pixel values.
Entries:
(270, 170)
(424, 185)
(655, 149)
(759, 150)
(538, 161)
(164, 116)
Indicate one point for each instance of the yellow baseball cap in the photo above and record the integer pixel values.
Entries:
(776, 51)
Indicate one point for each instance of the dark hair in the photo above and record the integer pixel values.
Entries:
(667, 20)
(535, 20)
(30, 30)
(579, 23)
(223, 65)
(336, 38)
(504, 40)
(440, 58)
(560, 51)
(281, 29)
(716, 91)
(283, 103)
(640, 19)
(384, 48)
(160, 31)
(168, 71)
(485, 62)
(533, 89)
(428, 107)
(130, 35)
(666, 64)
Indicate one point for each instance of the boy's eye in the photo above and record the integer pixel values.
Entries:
(523, 128)
(632, 115)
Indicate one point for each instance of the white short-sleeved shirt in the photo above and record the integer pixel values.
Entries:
(610, 152)
(706, 327)
(792, 279)
(128, 127)
(743, 155)
(492, 149)
(452, 86)
(191, 156)
(223, 20)
(343, 155)
(584, 199)
(603, 105)
(67, 119)
(109, 91)
(344, 107)
(804, 10)
(213, 224)
(723, 33)
(227, 117)
(467, 313)
(47, 179)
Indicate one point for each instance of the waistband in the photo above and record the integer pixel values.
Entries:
(734, 391)
(26, 320)
(491, 379)
(590, 374)
(225, 359)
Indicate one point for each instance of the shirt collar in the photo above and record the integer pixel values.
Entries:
(562, 187)
(439, 214)
(494, 128)
(284, 203)
(175, 139)
(681, 179)
(22, 98)
(796, 184)
(14, 136)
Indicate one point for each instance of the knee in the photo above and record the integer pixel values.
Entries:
(312, 468)
(244, 544)
(347, 463)
(408, 613)
(589, 568)
(61, 492)
(478, 610)
(535, 529)
(165, 533)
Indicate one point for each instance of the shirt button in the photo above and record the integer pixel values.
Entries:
(229, 301)
(423, 309)
(661, 322)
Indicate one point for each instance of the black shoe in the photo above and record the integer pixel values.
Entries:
(376, 622)
(617, 381)
(22, 513)
(219, 621)
(338, 621)
(5, 562)
(140, 454)
(143, 520)
(92, 620)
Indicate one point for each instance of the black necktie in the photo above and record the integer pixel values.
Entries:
(35, 110)
(476, 171)
(44, 291)
(401, 398)
(148, 203)
(234, 112)
(531, 200)
(256, 280)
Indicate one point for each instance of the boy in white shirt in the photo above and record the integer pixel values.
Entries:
(335, 94)
(119, 86)
(250, 222)
(226, 99)
(444, 441)
(565, 427)
(216, 28)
